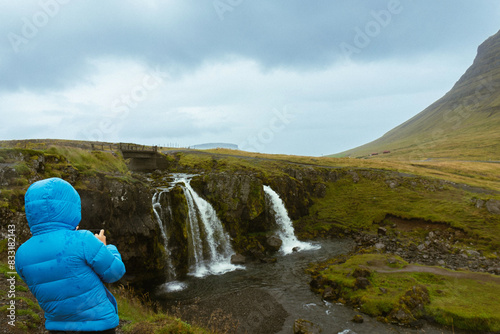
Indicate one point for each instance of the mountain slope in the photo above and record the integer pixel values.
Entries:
(463, 124)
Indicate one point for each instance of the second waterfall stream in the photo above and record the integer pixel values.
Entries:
(285, 227)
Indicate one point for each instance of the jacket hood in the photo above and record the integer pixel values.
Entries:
(51, 205)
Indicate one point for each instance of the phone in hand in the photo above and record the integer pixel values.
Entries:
(94, 230)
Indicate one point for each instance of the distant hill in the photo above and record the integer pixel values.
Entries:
(209, 146)
(463, 124)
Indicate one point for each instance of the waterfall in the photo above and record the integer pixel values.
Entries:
(172, 284)
(285, 227)
(209, 245)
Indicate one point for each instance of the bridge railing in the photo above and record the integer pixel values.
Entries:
(139, 148)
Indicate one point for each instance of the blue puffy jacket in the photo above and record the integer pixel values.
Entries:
(65, 268)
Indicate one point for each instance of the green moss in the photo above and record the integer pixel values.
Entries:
(364, 204)
(449, 298)
(142, 317)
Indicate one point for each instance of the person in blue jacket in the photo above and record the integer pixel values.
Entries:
(66, 268)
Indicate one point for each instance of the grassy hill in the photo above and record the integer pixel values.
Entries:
(464, 124)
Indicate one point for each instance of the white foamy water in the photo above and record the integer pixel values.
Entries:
(285, 227)
(209, 247)
(158, 211)
(173, 286)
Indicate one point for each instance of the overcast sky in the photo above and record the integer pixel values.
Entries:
(282, 76)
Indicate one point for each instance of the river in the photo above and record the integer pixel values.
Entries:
(267, 298)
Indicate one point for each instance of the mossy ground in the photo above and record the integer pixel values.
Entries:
(138, 314)
(365, 205)
(461, 299)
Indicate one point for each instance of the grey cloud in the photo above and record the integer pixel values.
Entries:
(287, 34)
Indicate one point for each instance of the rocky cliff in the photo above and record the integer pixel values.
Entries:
(120, 205)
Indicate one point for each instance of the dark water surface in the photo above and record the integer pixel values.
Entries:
(269, 297)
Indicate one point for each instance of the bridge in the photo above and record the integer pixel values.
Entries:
(142, 158)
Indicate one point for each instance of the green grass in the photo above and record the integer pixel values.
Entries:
(85, 161)
(28, 312)
(143, 319)
(470, 304)
(365, 204)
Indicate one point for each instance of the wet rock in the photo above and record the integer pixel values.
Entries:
(402, 316)
(274, 243)
(295, 249)
(417, 324)
(268, 260)
(238, 259)
(358, 318)
(315, 283)
(301, 326)
(329, 294)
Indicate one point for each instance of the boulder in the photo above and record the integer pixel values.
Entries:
(274, 243)
(493, 206)
(238, 259)
(329, 294)
(301, 326)
(358, 318)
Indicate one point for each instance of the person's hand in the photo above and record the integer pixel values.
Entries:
(101, 237)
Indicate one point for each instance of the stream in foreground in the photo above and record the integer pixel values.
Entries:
(267, 298)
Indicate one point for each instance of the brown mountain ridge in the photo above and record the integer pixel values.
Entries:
(463, 124)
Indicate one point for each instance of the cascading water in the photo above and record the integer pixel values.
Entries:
(209, 245)
(285, 227)
(172, 284)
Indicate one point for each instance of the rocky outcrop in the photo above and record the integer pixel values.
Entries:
(238, 199)
(113, 203)
(440, 247)
(123, 210)
(302, 326)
